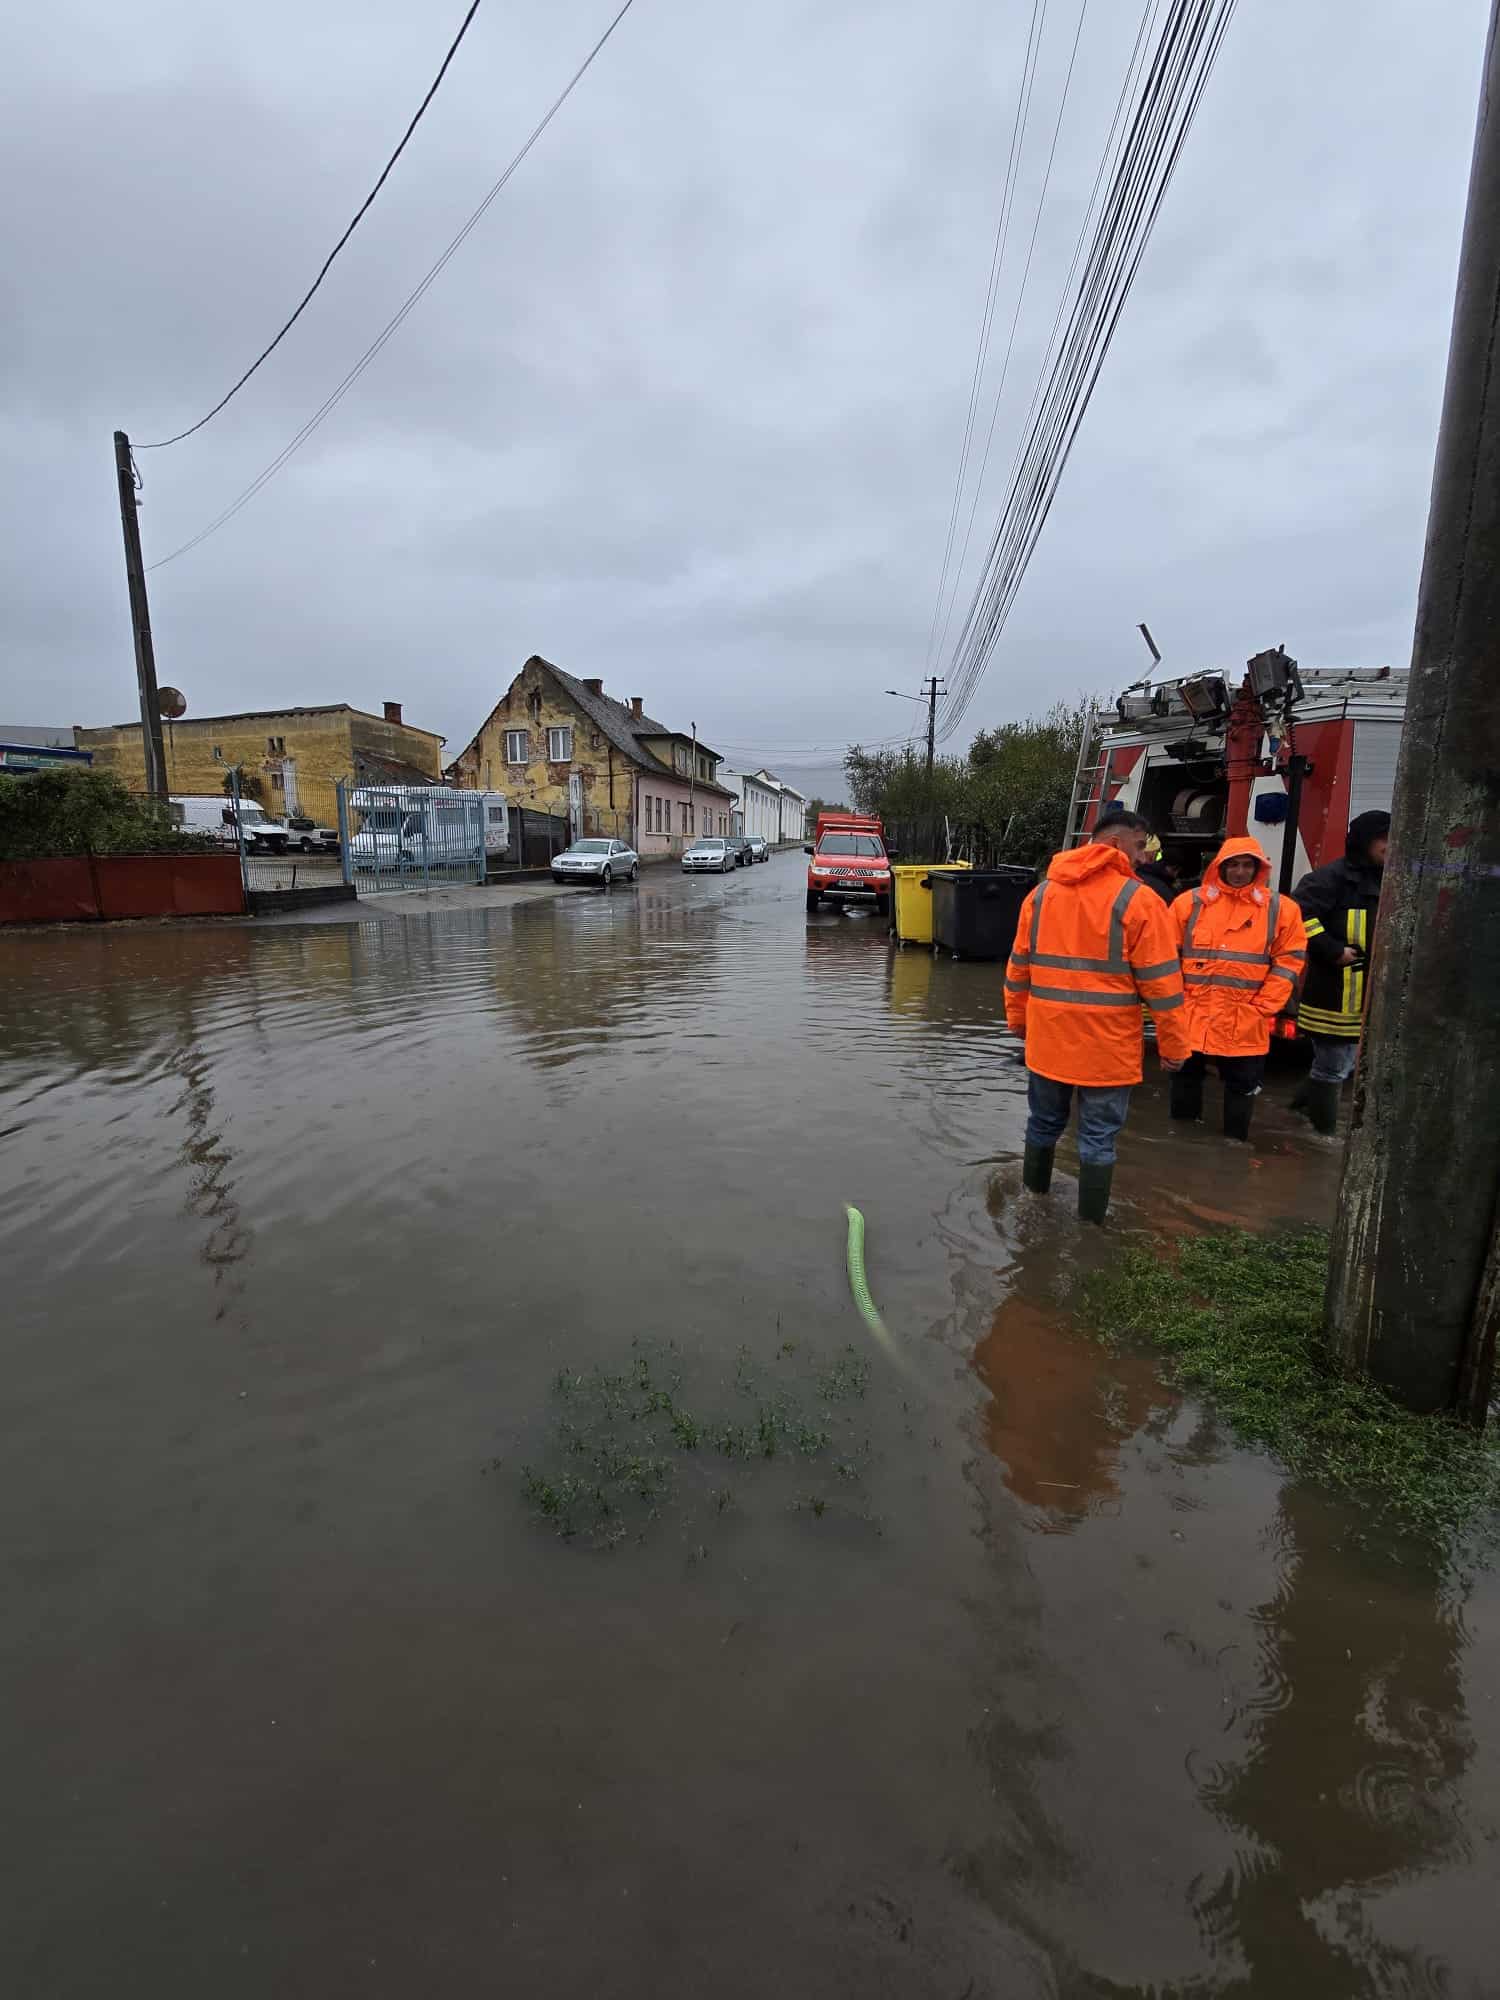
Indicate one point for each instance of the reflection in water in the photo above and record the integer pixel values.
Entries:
(1358, 1736)
(1059, 1414)
(210, 1196)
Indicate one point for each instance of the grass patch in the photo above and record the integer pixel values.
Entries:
(624, 1439)
(1241, 1318)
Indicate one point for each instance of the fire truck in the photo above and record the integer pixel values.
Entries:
(1285, 754)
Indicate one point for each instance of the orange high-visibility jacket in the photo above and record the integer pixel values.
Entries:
(1243, 951)
(1092, 944)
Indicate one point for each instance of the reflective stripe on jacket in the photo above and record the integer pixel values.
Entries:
(1243, 951)
(1092, 946)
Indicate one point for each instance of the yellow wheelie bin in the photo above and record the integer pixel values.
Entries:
(911, 898)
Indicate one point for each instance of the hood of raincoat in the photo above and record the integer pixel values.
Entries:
(1214, 884)
(1362, 830)
(1082, 864)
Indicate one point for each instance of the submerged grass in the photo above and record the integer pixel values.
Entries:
(623, 1436)
(1241, 1318)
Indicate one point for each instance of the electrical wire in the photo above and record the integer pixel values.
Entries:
(1111, 265)
(987, 317)
(359, 214)
(1171, 92)
(1015, 320)
(336, 396)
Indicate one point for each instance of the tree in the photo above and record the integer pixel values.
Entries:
(1007, 800)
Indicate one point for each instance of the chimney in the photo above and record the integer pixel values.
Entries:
(638, 706)
(595, 687)
(393, 712)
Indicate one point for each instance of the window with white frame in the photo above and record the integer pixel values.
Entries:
(517, 746)
(560, 745)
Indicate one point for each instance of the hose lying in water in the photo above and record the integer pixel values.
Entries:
(859, 1285)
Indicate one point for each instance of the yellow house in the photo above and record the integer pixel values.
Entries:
(292, 754)
(561, 745)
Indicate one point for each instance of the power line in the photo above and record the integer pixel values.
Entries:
(987, 317)
(336, 396)
(359, 215)
(1174, 84)
(1015, 320)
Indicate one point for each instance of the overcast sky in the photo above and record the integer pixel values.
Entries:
(685, 410)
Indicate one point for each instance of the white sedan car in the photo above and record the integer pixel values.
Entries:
(714, 856)
(602, 861)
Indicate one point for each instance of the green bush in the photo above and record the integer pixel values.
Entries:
(75, 811)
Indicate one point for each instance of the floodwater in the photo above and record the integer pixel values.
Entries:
(1056, 1693)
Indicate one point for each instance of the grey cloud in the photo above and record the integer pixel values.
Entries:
(685, 409)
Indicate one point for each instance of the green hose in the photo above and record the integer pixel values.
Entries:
(859, 1284)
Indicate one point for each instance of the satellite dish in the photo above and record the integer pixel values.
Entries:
(172, 703)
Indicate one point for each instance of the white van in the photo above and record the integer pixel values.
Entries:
(406, 830)
(496, 825)
(215, 815)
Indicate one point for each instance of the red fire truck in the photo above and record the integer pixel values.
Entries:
(1286, 755)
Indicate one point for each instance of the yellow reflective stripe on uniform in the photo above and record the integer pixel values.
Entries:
(1313, 926)
(1324, 1021)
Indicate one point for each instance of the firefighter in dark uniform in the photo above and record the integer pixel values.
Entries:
(1338, 905)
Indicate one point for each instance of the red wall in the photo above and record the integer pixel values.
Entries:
(78, 889)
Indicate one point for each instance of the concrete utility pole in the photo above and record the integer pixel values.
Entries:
(140, 622)
(929, 694)
(1414, 1289)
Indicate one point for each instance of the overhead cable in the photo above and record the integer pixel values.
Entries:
(359, 215)
(1171, 91)
(986, 318)
(1015, 320)
(336, 395)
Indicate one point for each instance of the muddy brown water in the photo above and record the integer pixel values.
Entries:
(1063, 1694)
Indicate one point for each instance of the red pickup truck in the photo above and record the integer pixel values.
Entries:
(849, 863)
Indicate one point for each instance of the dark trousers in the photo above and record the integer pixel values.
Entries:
(1242, 1075)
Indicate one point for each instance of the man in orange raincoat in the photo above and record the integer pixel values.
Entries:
(1243, 950)
(1093, 945)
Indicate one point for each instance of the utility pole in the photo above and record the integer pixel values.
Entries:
(1414, 1288)
(140, 622)
(930, 692)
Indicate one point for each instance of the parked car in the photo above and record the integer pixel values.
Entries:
(739, 849)
(214, 814)
(760, 847)
(311, 838)
(596, 861)
(708, 856)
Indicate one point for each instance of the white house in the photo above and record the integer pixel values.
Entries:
(764, 805)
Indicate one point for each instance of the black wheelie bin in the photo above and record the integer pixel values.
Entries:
(974, 914)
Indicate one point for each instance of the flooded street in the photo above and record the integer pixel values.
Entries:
(1042, 1687)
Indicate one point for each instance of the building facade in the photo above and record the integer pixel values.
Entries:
(294, 756)
(554, 743)
(766, 806)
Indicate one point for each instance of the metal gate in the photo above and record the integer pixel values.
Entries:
(410, 836)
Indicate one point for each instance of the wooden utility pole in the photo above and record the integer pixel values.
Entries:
(1414, 1289)
(140, 622)
(933, 692)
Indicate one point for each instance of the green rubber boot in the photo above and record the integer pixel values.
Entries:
(1036, 1168)
(1093, 1191)
(1323, 1105)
